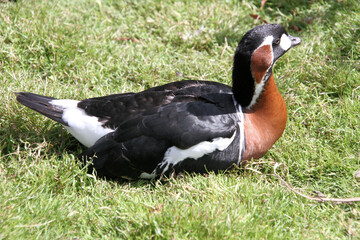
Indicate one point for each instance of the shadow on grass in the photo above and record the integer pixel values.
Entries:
(53, 140)
(294, 8)
(299, 19)
(15, 135)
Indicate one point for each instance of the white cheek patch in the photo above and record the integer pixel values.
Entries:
(285, 42)
(86, 129)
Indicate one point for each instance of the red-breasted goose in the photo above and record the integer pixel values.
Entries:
(193, 126)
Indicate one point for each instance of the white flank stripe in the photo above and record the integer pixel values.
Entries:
(240, 115)
(86, 129)
(175, 155)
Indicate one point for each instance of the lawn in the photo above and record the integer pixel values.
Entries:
(89, 48)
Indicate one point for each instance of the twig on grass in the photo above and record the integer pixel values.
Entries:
(318, 199)
(287, 185)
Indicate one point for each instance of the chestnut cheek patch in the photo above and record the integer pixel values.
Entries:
(261, 61)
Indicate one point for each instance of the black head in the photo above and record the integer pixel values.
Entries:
(272, 34)
(257, 51)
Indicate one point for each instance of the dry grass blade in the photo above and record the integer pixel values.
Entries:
(262, 4)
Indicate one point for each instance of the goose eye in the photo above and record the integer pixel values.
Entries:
(277, 41)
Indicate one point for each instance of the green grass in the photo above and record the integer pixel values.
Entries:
(81, 49)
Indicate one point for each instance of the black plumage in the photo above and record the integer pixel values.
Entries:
(148, 123)
(114, 109)
(41, 104)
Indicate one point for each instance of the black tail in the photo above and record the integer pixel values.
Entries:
(42, 105)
